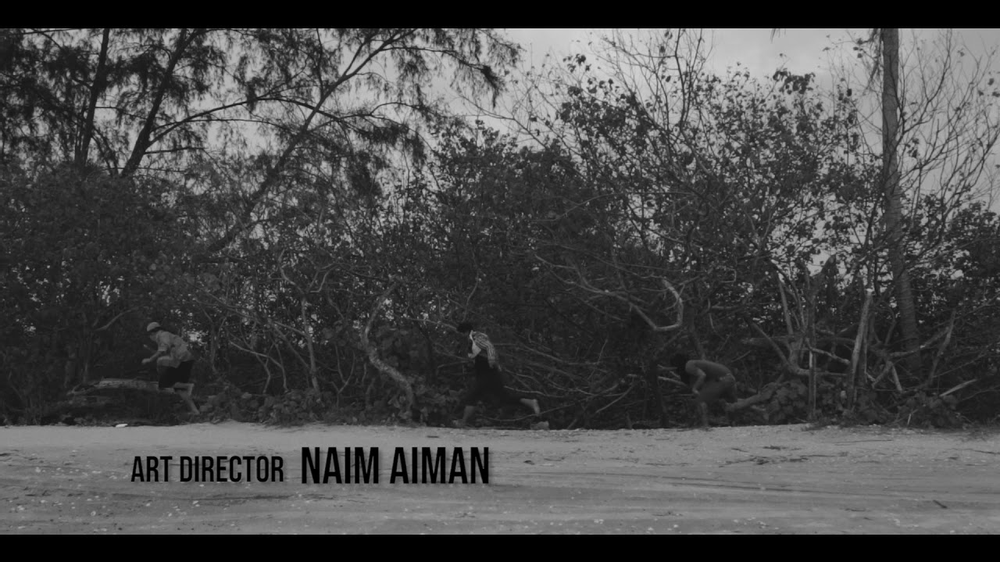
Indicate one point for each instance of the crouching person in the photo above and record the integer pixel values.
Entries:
(709, 381)
(173, 363)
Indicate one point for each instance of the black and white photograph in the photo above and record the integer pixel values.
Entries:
(489, 281)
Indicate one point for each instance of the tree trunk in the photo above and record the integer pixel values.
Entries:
(893, 196)
(382, 366)
(96, 89)
(307, 331)
(142, 142)
(857, 364)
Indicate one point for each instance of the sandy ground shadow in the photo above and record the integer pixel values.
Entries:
(776, 479)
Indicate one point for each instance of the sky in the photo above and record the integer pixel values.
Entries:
(761, 51)
(799, 50)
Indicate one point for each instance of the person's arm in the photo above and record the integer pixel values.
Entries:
(161, 350)
(699, 379)
(481, 342)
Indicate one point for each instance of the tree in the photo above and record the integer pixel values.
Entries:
(886, 54)
(86, 261)
(224, 134)
(623, 202)
(692, 175)
(891, 102)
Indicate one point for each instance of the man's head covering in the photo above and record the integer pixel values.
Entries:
(464, 328)
(153, 326)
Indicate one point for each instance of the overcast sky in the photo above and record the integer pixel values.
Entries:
(762, 52)
(799, 50)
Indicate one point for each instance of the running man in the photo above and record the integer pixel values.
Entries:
(489, 383)
(173, 363)
(709, 381)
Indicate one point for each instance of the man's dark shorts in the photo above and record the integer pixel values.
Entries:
(489, 385)
(169, 376)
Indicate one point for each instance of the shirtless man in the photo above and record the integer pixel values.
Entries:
(709, 381)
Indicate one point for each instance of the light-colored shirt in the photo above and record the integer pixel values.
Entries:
(174, 349)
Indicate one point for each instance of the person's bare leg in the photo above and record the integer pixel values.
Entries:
(531, 403)
(184, 389)
(466, 416)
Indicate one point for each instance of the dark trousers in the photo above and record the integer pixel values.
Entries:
(489, 385)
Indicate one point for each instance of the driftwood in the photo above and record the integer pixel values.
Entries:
(87, 400)
(151, 386)
(746, 402)
(377, 361)
(624, 297)
(940, 351)
(788, 366)
(956, 388)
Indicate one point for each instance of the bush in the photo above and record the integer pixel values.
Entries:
(788, 403)
(435, 404)
(924, 410)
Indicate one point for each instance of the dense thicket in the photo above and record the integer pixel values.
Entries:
(304, 210)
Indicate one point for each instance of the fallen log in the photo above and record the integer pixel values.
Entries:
(763, 395)
(151, 386)
(746, 402)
